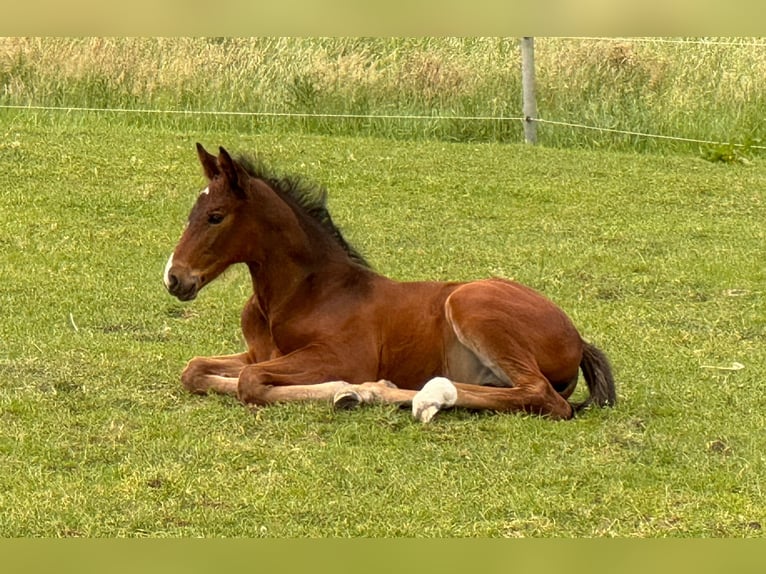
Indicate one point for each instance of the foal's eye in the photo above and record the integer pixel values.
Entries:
(215, 218)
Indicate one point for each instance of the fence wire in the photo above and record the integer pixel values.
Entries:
(266, 114)
(415, 117)
(642, 134)
(680, 41)
(539, 120)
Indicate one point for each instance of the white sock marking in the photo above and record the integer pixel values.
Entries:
(168, 265)
(436, 394)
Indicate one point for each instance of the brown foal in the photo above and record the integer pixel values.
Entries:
(322, 325)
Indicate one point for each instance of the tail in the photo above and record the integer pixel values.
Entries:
(598, 376)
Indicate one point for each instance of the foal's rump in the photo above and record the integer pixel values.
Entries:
(505, 331)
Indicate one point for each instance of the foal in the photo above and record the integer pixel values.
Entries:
(321, 325)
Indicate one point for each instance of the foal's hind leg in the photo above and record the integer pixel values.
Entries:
(530, 395)
(218, 374)
(501, 327)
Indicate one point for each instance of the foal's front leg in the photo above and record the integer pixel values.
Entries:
(379, 392)
(218, 374)
(303, 375)
(313, 373)
(310, 375)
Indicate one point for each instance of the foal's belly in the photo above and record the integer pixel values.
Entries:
(463, 366)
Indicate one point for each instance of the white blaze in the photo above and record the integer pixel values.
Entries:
(205, 191)
(168, 265)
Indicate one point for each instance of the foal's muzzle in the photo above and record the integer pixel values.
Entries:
(181, 281)
(184, 288)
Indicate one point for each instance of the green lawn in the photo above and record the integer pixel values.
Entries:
(659, 260)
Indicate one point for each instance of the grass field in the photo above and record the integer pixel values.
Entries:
(659, 260)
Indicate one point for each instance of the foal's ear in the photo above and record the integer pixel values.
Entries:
(232, 171)
(208, 161)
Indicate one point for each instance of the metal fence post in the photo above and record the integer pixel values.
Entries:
(529, 102)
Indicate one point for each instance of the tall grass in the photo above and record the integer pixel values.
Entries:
(702, 90)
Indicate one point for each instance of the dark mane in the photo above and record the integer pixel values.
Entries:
(309, 198)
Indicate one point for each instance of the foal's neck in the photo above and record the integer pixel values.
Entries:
(284, 286)
(295, 259)
(305, 266)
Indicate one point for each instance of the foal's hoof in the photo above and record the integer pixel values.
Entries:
(424, 413)
(346, 399)
(436, 394)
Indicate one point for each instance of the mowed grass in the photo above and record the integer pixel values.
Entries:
(659, 260)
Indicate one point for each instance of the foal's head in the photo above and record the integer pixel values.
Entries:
(246, 215)
(213, 238)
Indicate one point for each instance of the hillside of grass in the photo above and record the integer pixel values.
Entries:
(709, 89)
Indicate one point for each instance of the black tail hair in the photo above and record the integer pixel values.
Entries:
(598, 376)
